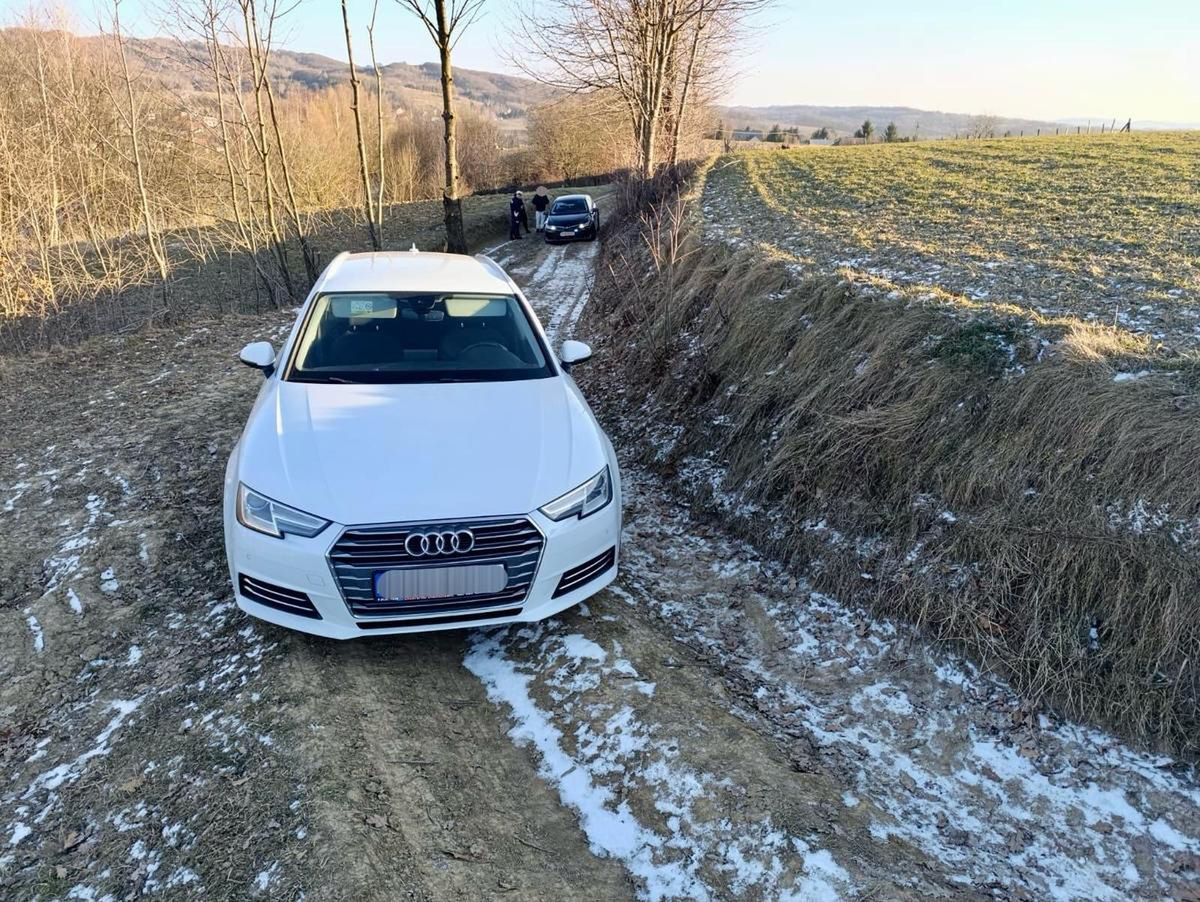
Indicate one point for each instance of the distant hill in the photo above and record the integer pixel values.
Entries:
(508, 97)
(415, 88)
(843, 120)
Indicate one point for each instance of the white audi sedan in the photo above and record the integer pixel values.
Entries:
(417, 459)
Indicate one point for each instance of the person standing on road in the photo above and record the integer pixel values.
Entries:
(524, 216)
(517, 214)
(541, 203)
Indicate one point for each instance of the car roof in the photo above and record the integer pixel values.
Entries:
(573, 197)
(414, 271)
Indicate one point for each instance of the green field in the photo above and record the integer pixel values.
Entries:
(1105, 228)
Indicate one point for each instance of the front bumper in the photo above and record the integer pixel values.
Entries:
(300, 565)
(583, 233)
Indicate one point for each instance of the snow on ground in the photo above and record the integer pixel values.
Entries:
(936, 754)
(947, 758)
(612, 754)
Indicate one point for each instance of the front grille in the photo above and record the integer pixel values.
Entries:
(363, 551)
(585, 572)
(277, 597)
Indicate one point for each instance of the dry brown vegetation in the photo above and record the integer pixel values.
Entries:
(117, 192)
(998, 482)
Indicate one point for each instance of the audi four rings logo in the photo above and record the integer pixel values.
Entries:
(422, 544)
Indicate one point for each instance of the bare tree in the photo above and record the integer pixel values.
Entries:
(378, 123)
(647, 52)
(445, 21)
(368, 201)
(983, 127)
(132, 123)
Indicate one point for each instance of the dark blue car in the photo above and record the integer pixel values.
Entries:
(573, 216)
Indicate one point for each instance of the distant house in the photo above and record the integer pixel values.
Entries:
(822, 142)
(746, 134)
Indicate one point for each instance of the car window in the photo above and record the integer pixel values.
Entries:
(569, 205)
(408, 337)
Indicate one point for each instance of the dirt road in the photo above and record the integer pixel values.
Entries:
(708, 729)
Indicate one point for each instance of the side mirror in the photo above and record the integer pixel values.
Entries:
(573, 352)
(260, 355)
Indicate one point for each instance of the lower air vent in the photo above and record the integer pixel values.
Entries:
(585, 572)
(446, 620)
(287, 600)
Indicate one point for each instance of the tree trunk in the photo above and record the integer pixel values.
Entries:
(368, 203)
(456, 239)
(649, 134)
(263, 149)
(152, 239)
(243, 224)
(685, 88)
(298, 222)
(378, 123)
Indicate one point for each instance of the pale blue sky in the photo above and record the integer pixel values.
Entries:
(1039, 58)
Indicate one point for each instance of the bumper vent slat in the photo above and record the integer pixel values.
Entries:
(438, 621)
(586, 572)
(363, 551)
(287, 600)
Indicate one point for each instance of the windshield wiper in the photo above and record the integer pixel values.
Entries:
(319, 380)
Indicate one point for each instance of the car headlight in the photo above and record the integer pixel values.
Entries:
(583, 499)
(551, 228)
(260, 513)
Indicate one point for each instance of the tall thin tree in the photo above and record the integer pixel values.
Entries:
(445, 20)
(379, 136)
(368, 200)
(133, 123)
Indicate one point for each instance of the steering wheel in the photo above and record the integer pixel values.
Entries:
(482, 344)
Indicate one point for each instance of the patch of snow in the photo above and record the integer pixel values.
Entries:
(182, 877)
(668, 863)
(1131, 377)
(264, 879)
(39, 638)
(929, 746)
(70, 771)
(108, 581)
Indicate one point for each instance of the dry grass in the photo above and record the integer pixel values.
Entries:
(1003, 491)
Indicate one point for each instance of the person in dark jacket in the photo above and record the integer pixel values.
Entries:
(541, 203)
(524, 213)
(517, 216)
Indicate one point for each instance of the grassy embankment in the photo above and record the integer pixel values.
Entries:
(902, 374)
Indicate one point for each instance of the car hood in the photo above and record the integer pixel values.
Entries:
(569, 219)
(359, 454)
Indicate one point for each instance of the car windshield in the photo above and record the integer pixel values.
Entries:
(569, 205)
(408, 337)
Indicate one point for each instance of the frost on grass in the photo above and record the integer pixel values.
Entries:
(943, 757)
(597, 755)
(70, 771)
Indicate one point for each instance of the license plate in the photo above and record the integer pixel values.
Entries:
(568, 234)
(440, 582)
